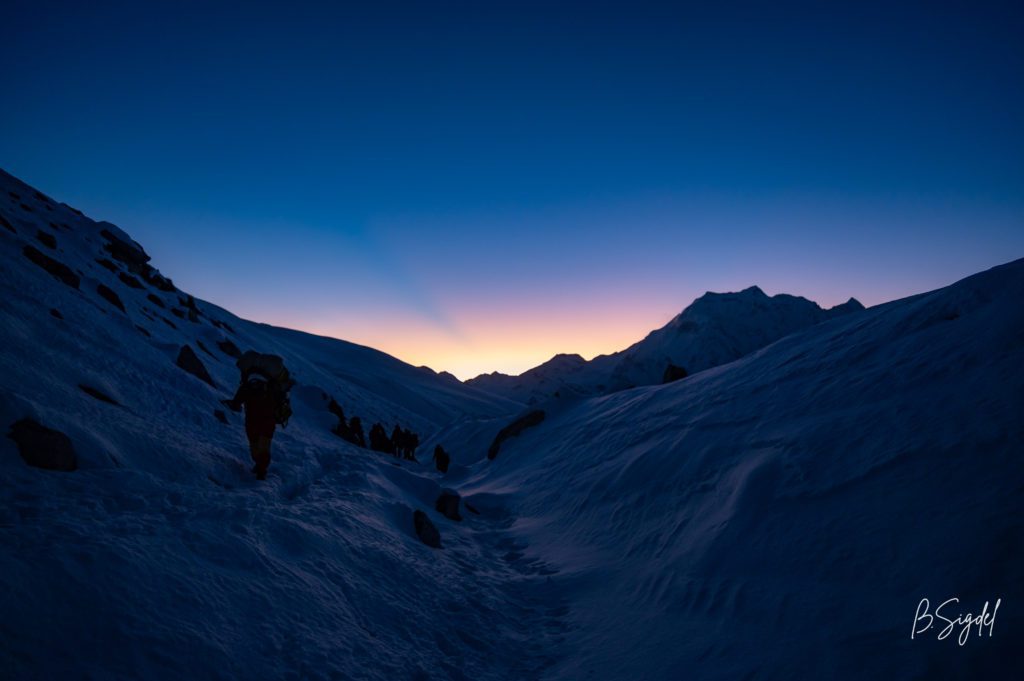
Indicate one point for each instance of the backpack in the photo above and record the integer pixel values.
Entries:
(279, 381)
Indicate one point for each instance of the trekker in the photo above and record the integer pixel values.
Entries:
(355, 428)
(263, 392)
(397, 443)
(441, 459)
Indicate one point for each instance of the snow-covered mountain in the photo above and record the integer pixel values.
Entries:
(715, 329)
(779, 516)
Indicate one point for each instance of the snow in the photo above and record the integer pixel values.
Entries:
(715, 329)
(777, 515)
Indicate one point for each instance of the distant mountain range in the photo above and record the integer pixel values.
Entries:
(715, 329)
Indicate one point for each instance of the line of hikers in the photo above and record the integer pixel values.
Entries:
(263, 392)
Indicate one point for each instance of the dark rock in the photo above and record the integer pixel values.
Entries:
(7, 225)
(54, 267)
(143, 331)
(43, 447)
(229, 349)
(673, 373)
(180, 314)
(156, 280)
(470, 508)
(14, 195)
(220, 416)
(448, 505)
(155, 300)
(42, 197)
(188, 361)
(108, 295)
(73, 209)
(336, 409)
(192, 308)
(129, 253)
(203, 348)
(222, 325)
(101, 396)
(25, 208)
(56, 313)
(168, 322)
(426, 530)
(129, 281)
(46, 239)
(107, 264)
(513, 429)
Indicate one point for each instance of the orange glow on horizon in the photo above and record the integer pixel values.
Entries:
(506, 343)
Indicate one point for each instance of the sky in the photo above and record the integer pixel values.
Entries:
(479, 186)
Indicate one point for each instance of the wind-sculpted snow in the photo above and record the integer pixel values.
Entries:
(782, 516)
(779, 516)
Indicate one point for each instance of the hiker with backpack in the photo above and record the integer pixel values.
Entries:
(441, 459)
(263, 392)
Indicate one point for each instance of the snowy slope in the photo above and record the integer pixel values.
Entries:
(782, 516)
(715, 329)
(160, 557)
(775, 517)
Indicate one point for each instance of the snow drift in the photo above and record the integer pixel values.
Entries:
(773, 517)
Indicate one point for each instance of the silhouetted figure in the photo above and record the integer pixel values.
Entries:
(379, 441)
(397, 444)
(355, 432)
(441, 459)
(412, 442)
(336, 409)
(263, 392)
(341, 428)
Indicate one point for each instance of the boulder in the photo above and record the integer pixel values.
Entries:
(188, 361)
(129, 253)
(6, 225)
(54, 267)
(108, 295)
(673, 373)
(97, 394)
(128, 280)
(155, 300)
(426, 530)
(229, 349)
(448, 505)
(46, 239)
(43, 447)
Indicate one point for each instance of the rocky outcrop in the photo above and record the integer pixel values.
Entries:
(448, 505)
(229, 349)
(108, 295)
(46, 239)
(128, 280)
(97, 394)
(56, 268)
(43, 447)
(513, 429)
(426, 530)
(673, 373)
(188, 361)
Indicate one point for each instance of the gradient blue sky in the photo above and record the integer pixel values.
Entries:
(476, 186)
